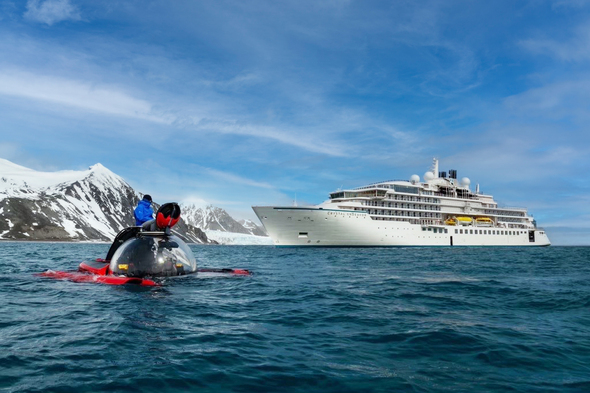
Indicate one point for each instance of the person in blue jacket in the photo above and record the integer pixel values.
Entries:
(143, 212)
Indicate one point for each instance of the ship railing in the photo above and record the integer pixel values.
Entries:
(507, 207)
(372, 185)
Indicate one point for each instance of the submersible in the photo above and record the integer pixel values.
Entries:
(141, 254)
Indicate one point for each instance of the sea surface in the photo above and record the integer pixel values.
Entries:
(308, 320)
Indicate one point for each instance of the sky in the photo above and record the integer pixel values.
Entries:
(239, 103)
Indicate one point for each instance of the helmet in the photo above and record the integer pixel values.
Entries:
(168, 215)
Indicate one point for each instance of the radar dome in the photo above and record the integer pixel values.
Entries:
(465, 181)
(428, 176)
(415, 179)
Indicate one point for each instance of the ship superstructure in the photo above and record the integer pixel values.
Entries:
(438, 211)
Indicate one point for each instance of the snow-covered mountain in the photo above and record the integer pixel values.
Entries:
(64, 205)
(253, 228)
(93, 205)
(211, 218)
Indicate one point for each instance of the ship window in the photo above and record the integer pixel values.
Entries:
(471, 231)
(302, 235)
(461, 231)
(406, 189)
(455, 231)
(423, 228)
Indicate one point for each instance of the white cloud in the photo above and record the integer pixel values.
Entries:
(575, 49)
(51, 11)
(556, 100)
(112, 101)
(231, 178)
(196, 201)
(77, 94)
(293, 137)
(570, 3)
(9, 150)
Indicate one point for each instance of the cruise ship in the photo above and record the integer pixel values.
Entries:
(438, 211)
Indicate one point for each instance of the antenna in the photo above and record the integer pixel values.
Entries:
(295, 201)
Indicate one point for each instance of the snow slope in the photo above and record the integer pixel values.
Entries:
(216, 219)
(90, 205)
(238, 238)
(93, 204)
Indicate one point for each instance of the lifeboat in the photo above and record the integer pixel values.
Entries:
(464, 220)
(450, 221)
(484, 221)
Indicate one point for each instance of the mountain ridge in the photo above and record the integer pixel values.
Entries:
(88, 205)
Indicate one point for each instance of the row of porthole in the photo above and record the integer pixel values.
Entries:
(344, 214)
(435, 230)
(491, 232)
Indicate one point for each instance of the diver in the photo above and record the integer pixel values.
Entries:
(144, 212)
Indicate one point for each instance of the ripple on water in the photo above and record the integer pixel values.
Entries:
(334, 320)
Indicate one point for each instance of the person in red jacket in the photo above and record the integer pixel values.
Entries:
(144, 212)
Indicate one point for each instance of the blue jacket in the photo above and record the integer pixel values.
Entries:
(143, 212)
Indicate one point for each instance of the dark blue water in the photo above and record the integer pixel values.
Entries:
(322, 320)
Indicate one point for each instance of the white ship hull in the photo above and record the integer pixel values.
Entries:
(320, 227)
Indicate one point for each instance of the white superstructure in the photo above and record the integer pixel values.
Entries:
(439, 211)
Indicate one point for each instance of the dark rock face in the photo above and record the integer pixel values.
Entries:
(24, 219)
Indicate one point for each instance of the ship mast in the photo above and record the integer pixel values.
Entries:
(435, 167)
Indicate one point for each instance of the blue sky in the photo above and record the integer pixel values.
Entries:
(240, 103)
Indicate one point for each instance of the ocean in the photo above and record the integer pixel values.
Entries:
(307, 320)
